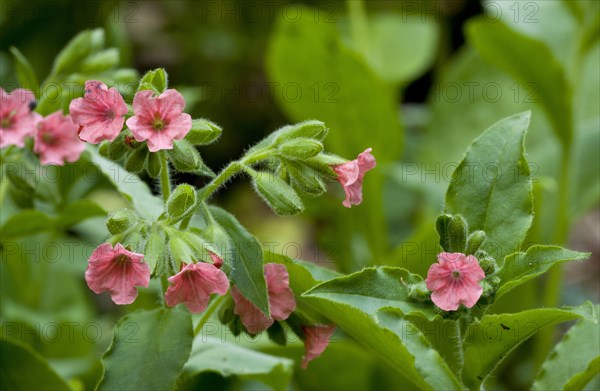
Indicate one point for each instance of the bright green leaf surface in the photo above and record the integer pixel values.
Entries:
(491, 339)
(210, 354)
(149, 350)
(523, 266)
(574, 361)
(491, 187)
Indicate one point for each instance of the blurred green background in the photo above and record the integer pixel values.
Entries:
(415, 80)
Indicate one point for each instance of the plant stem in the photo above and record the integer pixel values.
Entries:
(165, 182)
(213, 306)
(358, 24)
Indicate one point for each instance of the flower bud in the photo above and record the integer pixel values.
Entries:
(181, 202)
(441, 226)
(136, 161)
(203, 132)
(308, 129)
(475, 241)
(186, 158)
(120, 221)
(156, 80)
(306, 180)
(300, 148)
(280, 196)
(457, 233)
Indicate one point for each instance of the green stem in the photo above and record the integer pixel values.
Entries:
(229, 171)
(165, 181)
(213, 306)
(358, 24)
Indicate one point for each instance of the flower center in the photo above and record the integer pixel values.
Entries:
(456, 274)
(7, 121)
(48, 138)
(110, 114)
(122, 259)
(158, 123)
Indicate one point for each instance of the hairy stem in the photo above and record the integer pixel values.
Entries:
(165, 181)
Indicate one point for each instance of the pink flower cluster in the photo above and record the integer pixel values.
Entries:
(99, 115)
(158, 120)
(119, 271)
(55, 136)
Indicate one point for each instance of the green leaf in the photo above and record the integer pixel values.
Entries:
(136, 161)
(25, 369)
(101, 61)
(490, 340)
(148, 351)
(156, 80)
(276, 193)
(130, 186)
(491, 187)
(154, 251)
(25, 223)
(528, 61)
(79, 211)
(524, 266)
(181, 202)
(305, 179)
(370, 306)
(203, 132)
(326, 87)
(81, 46)
(244, 254)
(374, 288)
(211, 354)
(574, 361)
(25, 72)
(401, 48)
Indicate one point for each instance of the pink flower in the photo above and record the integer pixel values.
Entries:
(351, 174)
(194, 284)
(17, 120)
(316, 339)
(56, 140)
(281, 300)
(455, 280)
(159, 119)
(117, 271)
(100, 113)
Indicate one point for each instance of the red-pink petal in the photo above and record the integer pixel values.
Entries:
(253, 319)
(316, 339)
(194, 284)
(100, 113)
(117, 271)
(56, 140)
(17, 121)
(351, 175)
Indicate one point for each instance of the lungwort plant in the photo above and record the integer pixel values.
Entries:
(202, 268)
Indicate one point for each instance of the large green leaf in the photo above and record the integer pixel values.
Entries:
(130, 186)
(491, 187)
(574, 360)
(25, 72)
(370, 305)
(210, 354)
(521, 267)
(401, 48)
(148, 351)
(528, 61)
(25, 223)
(374, 288)
(244, 254)
(488, 341)
(24, 369)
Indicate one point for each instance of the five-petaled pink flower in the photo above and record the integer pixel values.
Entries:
(159, 119)
(351, 174)
(194, 284)
(455, 280)
(117, 271)
(17, 120)
(56, 140)
(100, 113)
(281, 301)
(316, 339)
